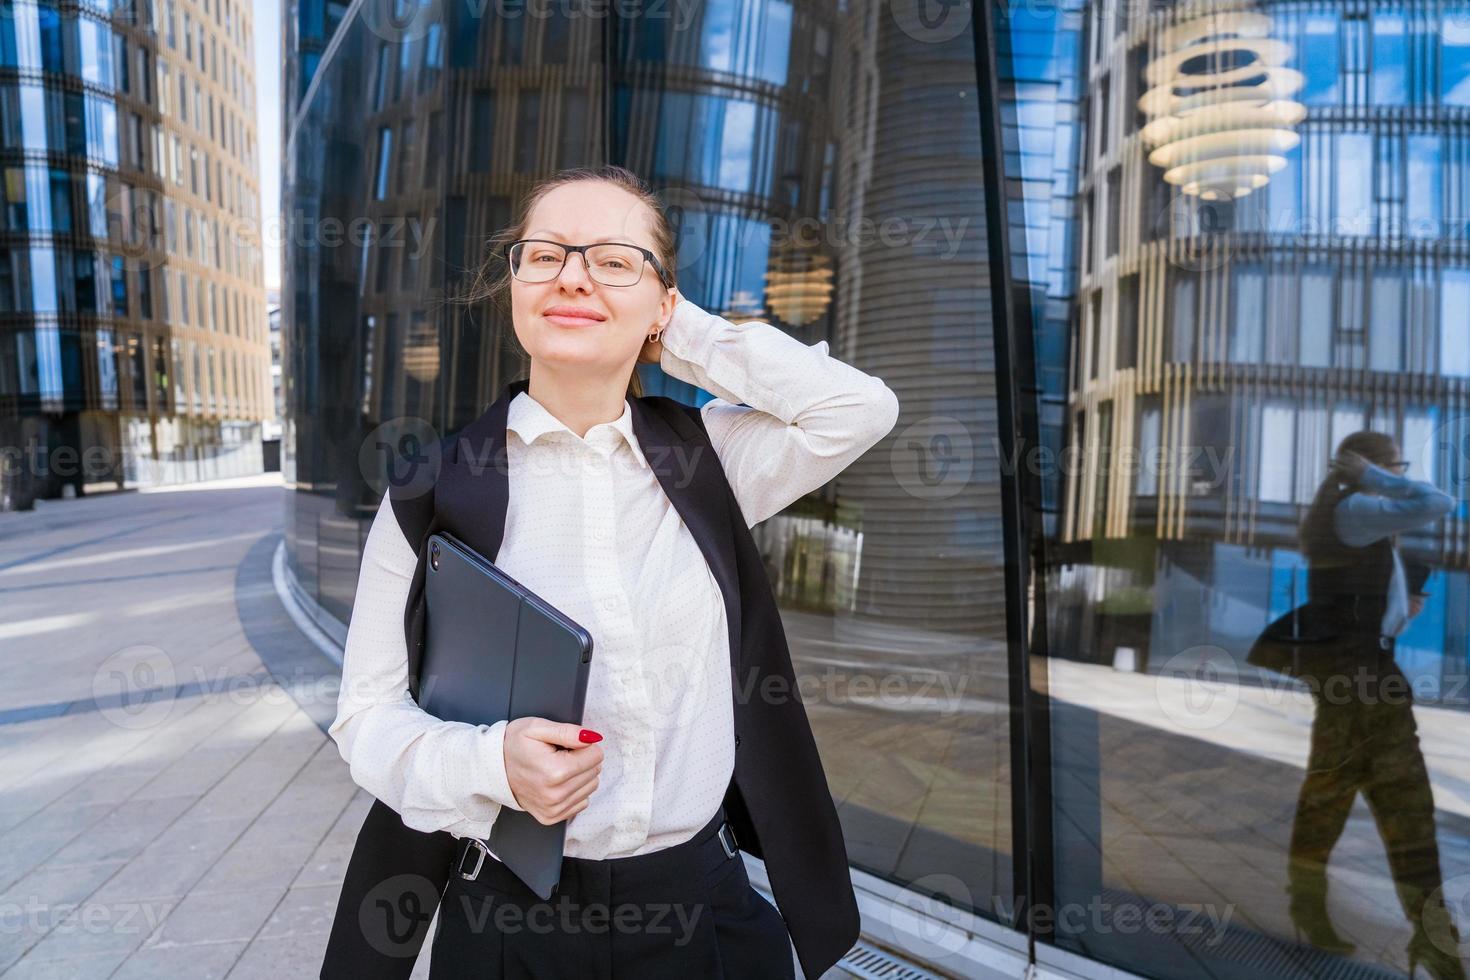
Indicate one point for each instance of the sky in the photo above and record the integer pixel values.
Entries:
(268, 131)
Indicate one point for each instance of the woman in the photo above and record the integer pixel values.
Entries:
(1364, 738)
(600, 482)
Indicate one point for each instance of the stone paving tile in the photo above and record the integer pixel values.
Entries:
(174, 863)
(197, 961)
(36, 902)
(304, 910)
(70, 968)
(290, 956)
(216, 917)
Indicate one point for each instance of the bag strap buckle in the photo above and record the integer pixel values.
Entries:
(480, 852)
(727, 840)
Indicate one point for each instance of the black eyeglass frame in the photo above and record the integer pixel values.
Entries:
(648, 257)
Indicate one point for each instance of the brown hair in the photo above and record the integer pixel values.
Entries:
(1317, 531)
(492, 280)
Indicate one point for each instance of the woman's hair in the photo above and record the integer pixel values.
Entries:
(1317, 528)
(492, 280)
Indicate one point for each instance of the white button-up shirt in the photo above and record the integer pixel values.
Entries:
(589, 528)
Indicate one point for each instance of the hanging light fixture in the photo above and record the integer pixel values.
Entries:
(799, 284)
(1221, 116)
(744, 307)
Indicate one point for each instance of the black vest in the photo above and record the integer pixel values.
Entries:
(778, 801)
(1350, 584)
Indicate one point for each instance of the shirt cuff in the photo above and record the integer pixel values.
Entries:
(711, 352)
(490, 789)
(1376, 477)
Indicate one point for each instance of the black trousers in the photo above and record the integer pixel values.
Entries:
(684, 913)
(1365, 740)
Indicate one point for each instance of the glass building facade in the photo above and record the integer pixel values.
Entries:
(132, 332)
(1134, 271)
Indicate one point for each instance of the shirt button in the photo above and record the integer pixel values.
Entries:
(600, 534)
(610, 604)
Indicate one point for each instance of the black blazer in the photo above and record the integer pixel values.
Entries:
(778, 801)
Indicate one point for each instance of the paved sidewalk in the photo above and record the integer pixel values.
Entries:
(166, 808)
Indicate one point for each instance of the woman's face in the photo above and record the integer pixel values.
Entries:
(619, 319)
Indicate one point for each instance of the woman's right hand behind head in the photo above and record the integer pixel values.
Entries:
(1348, 466)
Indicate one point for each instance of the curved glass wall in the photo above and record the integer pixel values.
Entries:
(823, 165)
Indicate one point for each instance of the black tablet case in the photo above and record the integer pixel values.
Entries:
(495, 650)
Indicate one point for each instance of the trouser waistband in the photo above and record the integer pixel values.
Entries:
(711, 845)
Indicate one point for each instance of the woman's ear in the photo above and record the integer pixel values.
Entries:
(666, 306)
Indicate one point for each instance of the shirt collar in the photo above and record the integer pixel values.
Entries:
(530, 420)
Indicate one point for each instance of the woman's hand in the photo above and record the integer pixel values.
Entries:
(551, 771)
(653, 349)
(1348, 466)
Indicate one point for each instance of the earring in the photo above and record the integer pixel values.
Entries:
(653, 337)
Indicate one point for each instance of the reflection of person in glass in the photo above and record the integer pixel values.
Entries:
(1364, 738)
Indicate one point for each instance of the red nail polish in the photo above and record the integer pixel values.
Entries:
(588, 735)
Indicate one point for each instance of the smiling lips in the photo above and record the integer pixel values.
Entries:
(573, 316)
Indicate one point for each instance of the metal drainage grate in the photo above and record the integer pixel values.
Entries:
(868, 961)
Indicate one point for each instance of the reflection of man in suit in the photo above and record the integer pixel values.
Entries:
(1364, 738)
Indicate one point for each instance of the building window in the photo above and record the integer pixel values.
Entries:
(1317, 315)
(1352, 179)
(1126, 355)
(528, 129)
(433, 150)
(572, 148)
(1454, 57)
(1277, 444)
(482, 131)
(1115, 210)
(1386, 320)
(1390, 58)
(119, 287)
(180, 395)
(1423, 185)
(405, 154)
(1183, 295)
(1454, 338)
(1249, 298)
(1319, 59)
(385, 155)
(1148, 453)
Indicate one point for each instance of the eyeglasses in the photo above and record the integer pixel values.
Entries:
(608, 263)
